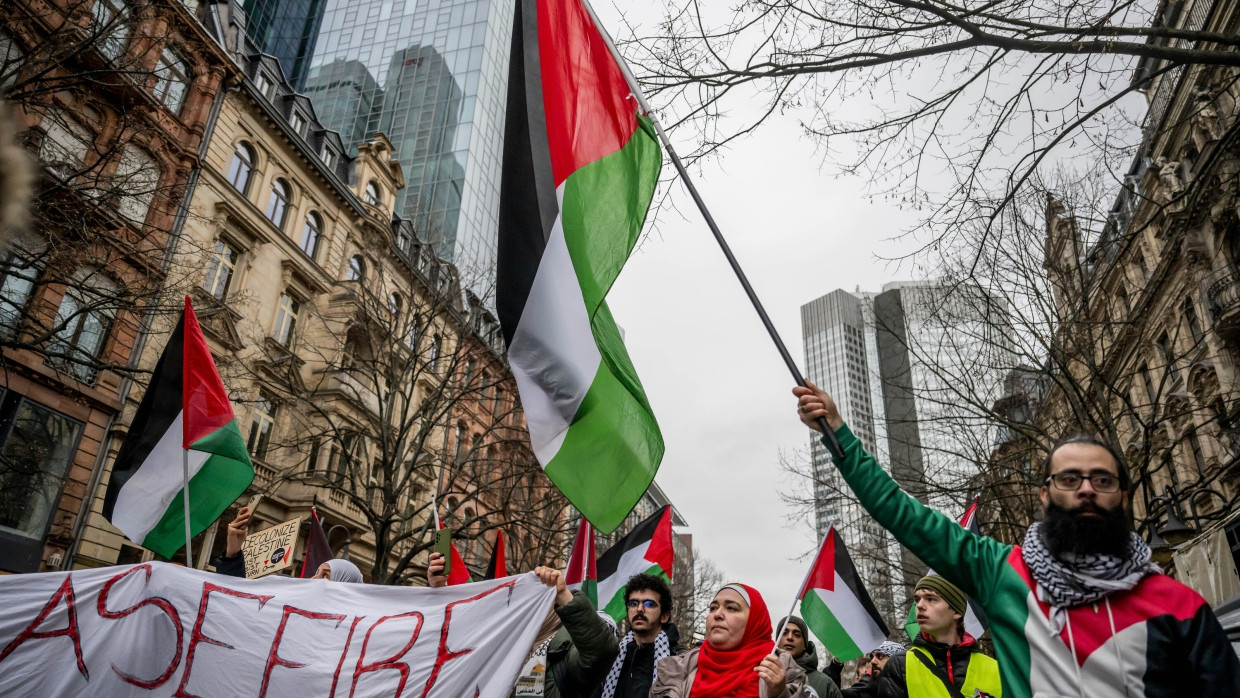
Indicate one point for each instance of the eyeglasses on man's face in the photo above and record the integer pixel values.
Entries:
(1070, 481)
(644, 603)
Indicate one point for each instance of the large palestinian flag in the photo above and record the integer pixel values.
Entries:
(580, 168)
(975, 621)
(582, 572)
(836, 606)
(184, 415)
(647, 548)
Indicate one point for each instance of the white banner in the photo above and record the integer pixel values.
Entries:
(162, 630)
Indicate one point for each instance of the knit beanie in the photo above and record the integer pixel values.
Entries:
(793, 620)
(950, 592)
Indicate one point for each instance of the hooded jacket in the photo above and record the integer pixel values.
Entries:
(821, 684)
(893, 682)
(581, 652)
(1156, 640)
(676, 676)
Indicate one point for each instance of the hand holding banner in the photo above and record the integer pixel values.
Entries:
(160, 629)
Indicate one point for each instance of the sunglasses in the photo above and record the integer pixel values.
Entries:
(644, 603)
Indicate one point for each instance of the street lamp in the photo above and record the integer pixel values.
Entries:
(344, 552)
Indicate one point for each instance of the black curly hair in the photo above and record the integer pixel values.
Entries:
(649, 582)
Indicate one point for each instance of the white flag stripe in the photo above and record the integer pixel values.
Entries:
(851, 614)
(141, 503)
(553, 347)
(632, 562)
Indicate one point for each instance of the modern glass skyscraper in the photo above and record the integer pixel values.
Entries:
(286, 29)
(432, 76)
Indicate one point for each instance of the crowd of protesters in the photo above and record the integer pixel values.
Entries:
(1079, 609)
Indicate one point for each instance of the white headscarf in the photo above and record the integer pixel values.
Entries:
(344, 571)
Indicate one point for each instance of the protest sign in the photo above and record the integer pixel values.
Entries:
(158, 629)
(271, 549)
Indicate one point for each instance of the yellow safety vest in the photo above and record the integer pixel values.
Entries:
(983, 675)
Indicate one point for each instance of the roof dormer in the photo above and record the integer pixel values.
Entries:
(377, 175)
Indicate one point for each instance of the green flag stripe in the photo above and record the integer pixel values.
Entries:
(824, 624)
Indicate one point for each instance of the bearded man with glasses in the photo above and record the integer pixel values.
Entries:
(651, 637)
(1079, 609)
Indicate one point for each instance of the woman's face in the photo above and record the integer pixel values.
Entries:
(324, 572)
(725, 620)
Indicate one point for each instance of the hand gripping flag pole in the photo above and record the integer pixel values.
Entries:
(829, 437)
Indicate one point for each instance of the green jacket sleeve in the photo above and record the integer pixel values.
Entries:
(594, 648)
(970, 561)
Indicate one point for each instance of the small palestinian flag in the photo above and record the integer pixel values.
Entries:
(498, 567)
(647, 548)
(458, 573)
(318, 550)
(836, 606)
(582, 572)
(580, 167)
(975, 622)
(184, 415)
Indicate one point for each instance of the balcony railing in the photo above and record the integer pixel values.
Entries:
(1224, 297)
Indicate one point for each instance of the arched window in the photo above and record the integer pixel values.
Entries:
(357, 268)
(310, 234)
(394, 304)
(82, 322)
(372, 194)
(277, 208)
(241, 167)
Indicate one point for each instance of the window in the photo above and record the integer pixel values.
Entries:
(459, 439)
(277, 207)
(372, 194)
(136, 181)
(498, 408)
(436, 347)
(342, 456)
(261, 425)
(64, 146)
(357, 268)
(10, 61)
(171, 80)
(1194, 324)
(310, 234)
(241, 167)
(328, 158)
(1194, 446)
(36, 450)
(16, 283)
(298, 123)
(394, 305)
(263, 84)
(220, 270)
(81, 327)
(1149, 383)
(110, 24)
(411, 337)
(286, 320)
(1164, 345)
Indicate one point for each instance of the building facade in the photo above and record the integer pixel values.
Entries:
(115, 99)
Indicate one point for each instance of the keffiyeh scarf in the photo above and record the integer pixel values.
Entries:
(1076, 580)
(662, 649)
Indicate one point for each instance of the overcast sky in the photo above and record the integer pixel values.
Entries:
(718, 387)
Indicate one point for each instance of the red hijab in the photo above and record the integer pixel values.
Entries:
(730, 673)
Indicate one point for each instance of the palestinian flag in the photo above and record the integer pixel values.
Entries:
(318, 550)
(647, 548)
(975, 622)
(458, 573)
(582, 572)
(580, 167)
(836, 606)
(184, 415)
(498, 567)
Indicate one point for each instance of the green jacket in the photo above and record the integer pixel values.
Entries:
(823, 686)
(581, 651)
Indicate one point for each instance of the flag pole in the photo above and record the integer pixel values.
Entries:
(829, 437)
(189, 536)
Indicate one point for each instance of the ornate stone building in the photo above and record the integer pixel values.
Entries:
(115, 99)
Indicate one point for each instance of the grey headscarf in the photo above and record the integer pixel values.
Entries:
(344, 571)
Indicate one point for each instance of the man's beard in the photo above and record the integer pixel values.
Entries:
(1066, 531)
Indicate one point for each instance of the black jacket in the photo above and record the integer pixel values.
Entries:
(954, 659)
(862, 689)
(581, 651)
(821, 684)
(637, 673)
(231, 566)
